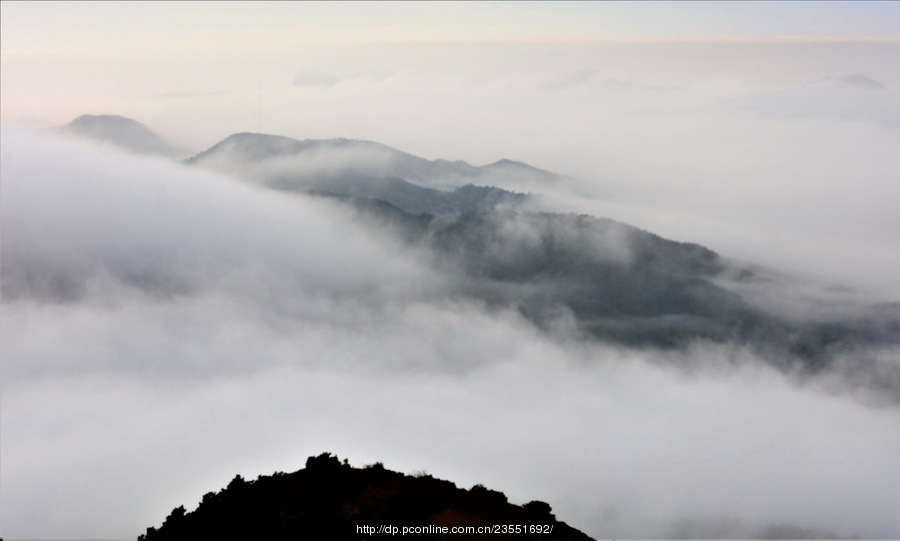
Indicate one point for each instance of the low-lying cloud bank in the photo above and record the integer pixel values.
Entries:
(166, 328)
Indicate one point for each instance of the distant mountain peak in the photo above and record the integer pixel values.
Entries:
(861, 80)
(90, 120)
(849, 81)
(120, 131)
(261, 146)
(510, 164)
(246, 136)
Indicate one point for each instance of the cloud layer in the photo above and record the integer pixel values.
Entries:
(165, 328)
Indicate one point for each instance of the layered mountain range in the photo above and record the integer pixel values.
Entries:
(583, 276)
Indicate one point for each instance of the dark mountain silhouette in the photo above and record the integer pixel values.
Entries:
(121, 132)
(332, 500)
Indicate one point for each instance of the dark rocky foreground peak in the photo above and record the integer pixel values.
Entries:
(330, 499)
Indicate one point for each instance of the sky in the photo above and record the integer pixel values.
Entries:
(59, 58)
(276, 327)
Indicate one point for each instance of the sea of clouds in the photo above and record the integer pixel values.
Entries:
(165, 328)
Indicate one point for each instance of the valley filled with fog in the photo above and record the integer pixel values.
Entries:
(661, 297)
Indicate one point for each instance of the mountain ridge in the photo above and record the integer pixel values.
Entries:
(330, 499)
(376, 159)
(359, 169)
(598, 278)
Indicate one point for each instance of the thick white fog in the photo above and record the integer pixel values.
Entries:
(166, 328)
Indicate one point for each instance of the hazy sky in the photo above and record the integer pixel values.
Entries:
(61, 59)
(278, 328)
(142, 26)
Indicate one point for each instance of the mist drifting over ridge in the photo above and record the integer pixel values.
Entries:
(238, 303)
(637, 262)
